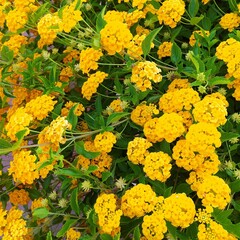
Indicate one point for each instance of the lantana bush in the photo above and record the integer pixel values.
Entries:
(120, 119)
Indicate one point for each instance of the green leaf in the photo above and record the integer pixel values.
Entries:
(49, 235)
(218, 80)
(7, 93)
(74, 201)
(106, 236)
(221, 216)
(98, 104)
(6, 55)
(114, 117)
(70, 172)
(40, 212)
(183, 188)
(225, 136)
(136, 233)
(146, 44)
(193, 7)
(5, 144)
(91, 169)
(172, 230)
(233, 5)
(72, 118)
(106, 175)
(196, 20)
(79, 146)
(235, 186)
(100, 23)
(66, 226)
(176, 54)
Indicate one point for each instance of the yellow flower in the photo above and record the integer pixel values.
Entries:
(164, 50)
(170, 12)
(214, 192)
(20, 120)
(169, 127)
(108, 213)
(23, 167)
(104, 141)
(88, 59)
(19, 197)
(115, 37)
(145, 72)
(70, 17)
(142, 113)
(73, 234)
(230, 21)
(48, 27)
(40, 106)
(90, 86)
(157, 166)
(137, 150)
(179, 210)
(138, 201)
(154, 226)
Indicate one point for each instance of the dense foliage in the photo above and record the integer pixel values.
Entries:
(119, 119)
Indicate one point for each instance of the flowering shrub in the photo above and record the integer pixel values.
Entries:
(120, 119)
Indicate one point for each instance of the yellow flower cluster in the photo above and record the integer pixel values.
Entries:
(115, 37)
(164, 50)
(15, 42)
(170, 12)
(20, 120)
(236, 85)
(16, 19)
(138, 201)
(134, 17)
(143, 112)
(12, 225)
(71, 54)
(230, 21)
(19, 197)
(73, 234)
(103, 161)
(145, 72)
(228, 52)
(51, 136)
(210, 110)
(116, 15)
(169, 127)
(139, 3)
(116, 106)
(23, 167)
(90, 86)
(79, 108)
(157, 166)
(154, 226)
(70, 17)
(40, 107)
(213, 230)
(178, 84)
(179, 210)
(108, 213)
(135, 46)
(214, 192)
(137, 150)
(192, 39)
(203, 136)
(105, 141)
(178, 100)
(189, 159)
(48, 27)
(88, 59)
